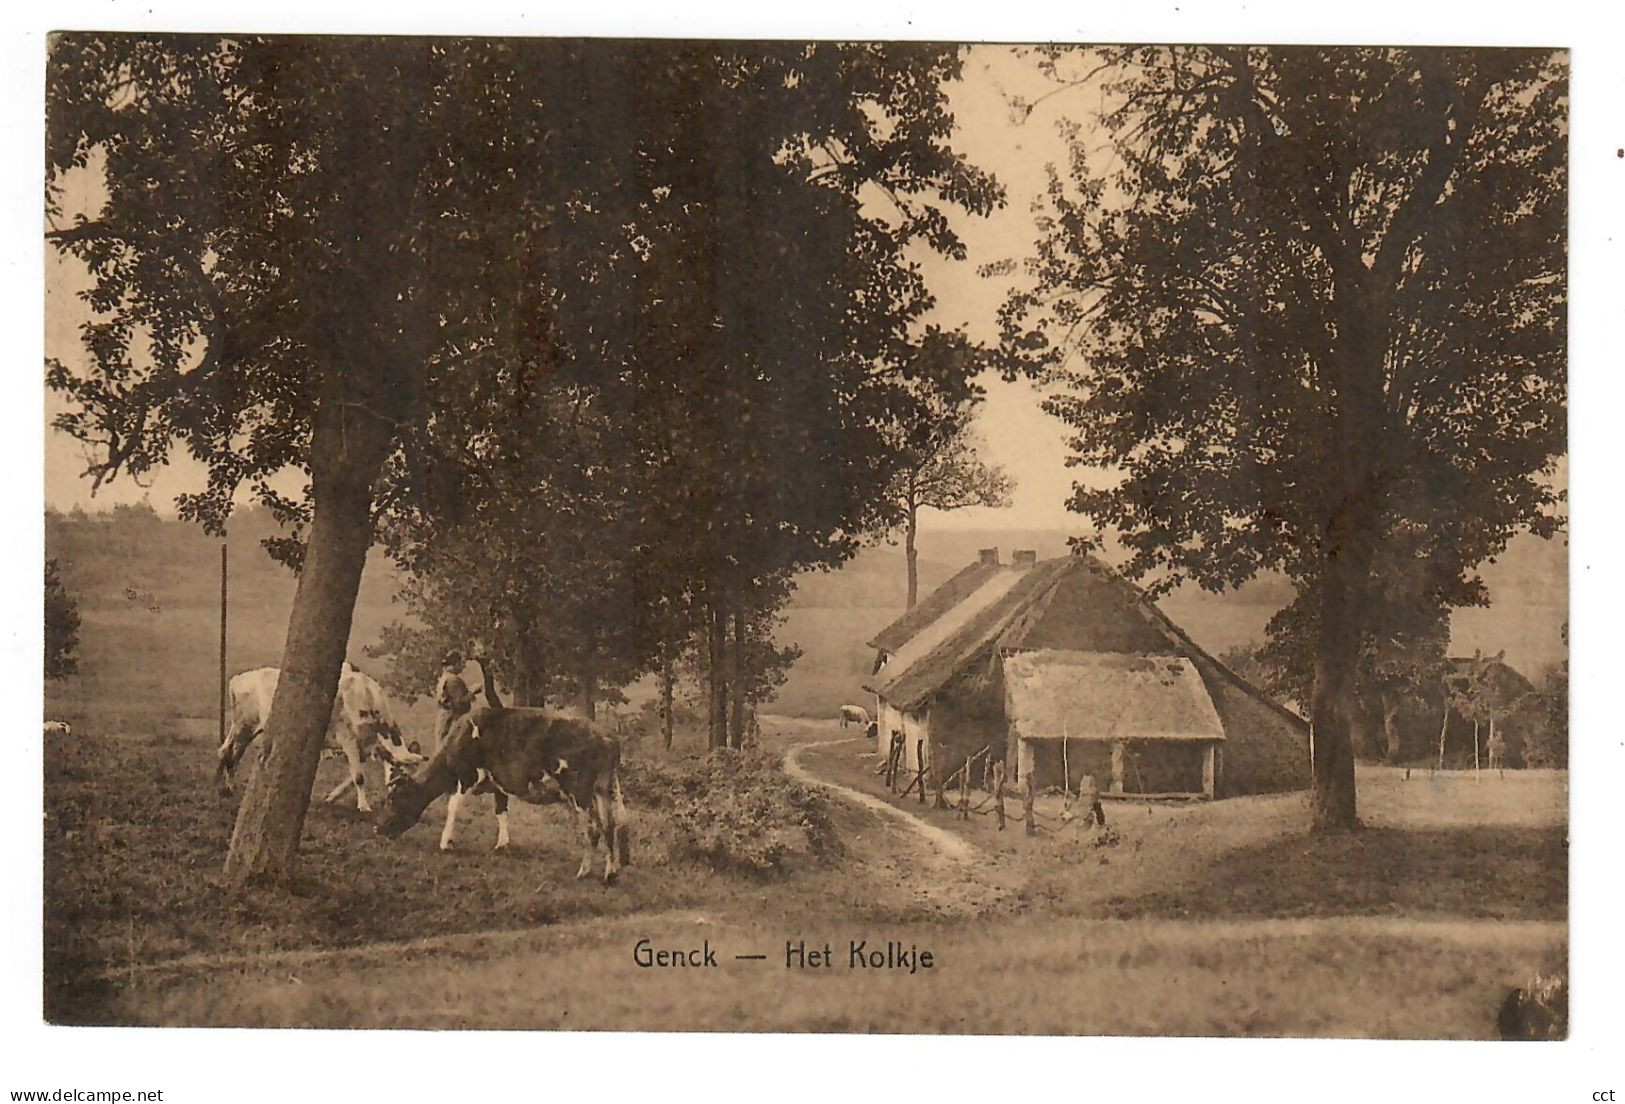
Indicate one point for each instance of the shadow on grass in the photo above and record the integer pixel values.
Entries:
(1485, 872)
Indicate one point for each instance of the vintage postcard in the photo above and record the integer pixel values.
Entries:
(696, 535)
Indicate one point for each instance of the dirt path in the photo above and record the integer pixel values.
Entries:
(913, 863)
(948, 846)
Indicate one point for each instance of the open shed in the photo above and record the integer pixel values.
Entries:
(1135, 724)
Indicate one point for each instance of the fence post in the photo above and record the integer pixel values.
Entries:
(998, 793)
(1029, 793)
(919, 759)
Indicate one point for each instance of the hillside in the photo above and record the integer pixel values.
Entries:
(835, 613)
(148, 588)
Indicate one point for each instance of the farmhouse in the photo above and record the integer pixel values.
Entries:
(1063, 668)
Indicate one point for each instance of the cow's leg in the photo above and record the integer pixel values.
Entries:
(589, 837)
(502, 820)
(622, 844)
(231, 753)
(603, 811)
(448, 835)
(352, 755)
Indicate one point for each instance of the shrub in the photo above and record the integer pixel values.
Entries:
(1547, 745)
(733, 811)
(61, 626)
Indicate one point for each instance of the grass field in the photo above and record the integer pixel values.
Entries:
(1211, 919)
(1225, 918)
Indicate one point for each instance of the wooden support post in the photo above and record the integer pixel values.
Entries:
(1029, 792)
(964, 792)
(1444, 728)
(919, 760)
(223, 682)
(1117, 766)
(998, 793)
(1207, 771)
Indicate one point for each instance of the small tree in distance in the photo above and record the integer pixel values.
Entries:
(941, 469)
(61, 626)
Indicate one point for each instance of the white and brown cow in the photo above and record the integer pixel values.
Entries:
(531, 754)
(360, 727)
(854, 715)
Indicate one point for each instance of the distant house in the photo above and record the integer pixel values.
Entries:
(1063, 668)
(1480, 692)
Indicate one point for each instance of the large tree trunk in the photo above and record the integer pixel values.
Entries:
(736, 683)
(1350, 539)
(717, 707)
(911, 554)
(347, 450)
(1332, 705)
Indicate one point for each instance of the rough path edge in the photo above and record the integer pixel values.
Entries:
(945, 843)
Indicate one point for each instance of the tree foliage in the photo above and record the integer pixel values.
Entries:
(365, 258)
(61, 626)
(937, 464)
(1314, 298)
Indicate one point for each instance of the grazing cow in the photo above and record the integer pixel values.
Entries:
(854, 714)
(360, 726)
(530, 754)
(58, 728)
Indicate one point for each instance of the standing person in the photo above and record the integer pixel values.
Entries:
(452, 695)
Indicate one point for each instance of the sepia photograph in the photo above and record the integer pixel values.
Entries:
(872, 536)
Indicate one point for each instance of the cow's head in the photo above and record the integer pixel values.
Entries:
(385, 738)
(404, 802)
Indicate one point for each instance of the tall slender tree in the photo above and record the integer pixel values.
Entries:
(1307, 292)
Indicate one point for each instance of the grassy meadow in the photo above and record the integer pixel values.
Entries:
(1211, 919)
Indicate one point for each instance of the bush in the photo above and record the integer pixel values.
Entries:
(1548, 744)
(61, 626)
(733, 811)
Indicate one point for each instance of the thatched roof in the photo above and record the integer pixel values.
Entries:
(940, 650)
(1071, 603)
(937, 603)
(1108, 696)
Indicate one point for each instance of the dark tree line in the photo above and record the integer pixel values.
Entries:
(426, 272)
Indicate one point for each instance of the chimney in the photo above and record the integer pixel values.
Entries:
(1024, 558)
(989, 556)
